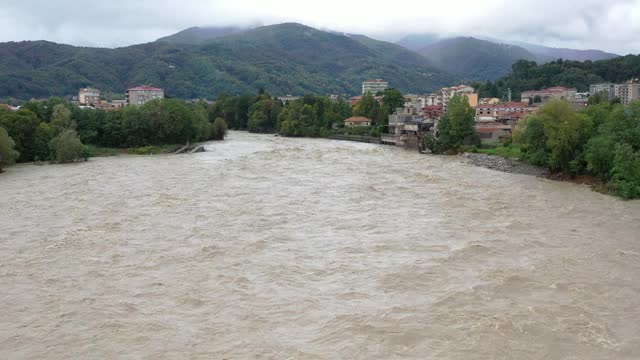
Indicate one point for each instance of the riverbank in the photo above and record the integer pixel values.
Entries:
(504, 164)
(515, 166)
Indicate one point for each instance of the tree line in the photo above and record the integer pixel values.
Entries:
(57, 131)
(528, 75)
(603, 141)
(309, 116)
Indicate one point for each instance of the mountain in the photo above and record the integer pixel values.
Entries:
(473, 59)
(417, 42)
(543, 54)
(546, 54)
(284, 59)
(199, 35)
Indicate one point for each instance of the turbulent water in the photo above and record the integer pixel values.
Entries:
(277, 248)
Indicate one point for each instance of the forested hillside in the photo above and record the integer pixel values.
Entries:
(527, 75)
(284, 59)
(474, 59)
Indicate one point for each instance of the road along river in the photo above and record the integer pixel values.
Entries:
(278, 248)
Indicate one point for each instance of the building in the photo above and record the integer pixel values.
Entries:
(355, 99)
(491, 132)
(464, 90)
(580, 99)
(492, 112)
(607, 89)
(357, 121)
(88, 96)
(143, 94)
(444, 95)
(408, 124)
(628, 92)
(488, 101)
(288, 98)
(542, 96)
(374, 86)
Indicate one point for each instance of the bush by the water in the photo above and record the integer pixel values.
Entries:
(8, 154)
(456, 128)
(55, 130)
(603, 140)
(66, 147)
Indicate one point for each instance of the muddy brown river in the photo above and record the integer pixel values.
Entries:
(276, 248)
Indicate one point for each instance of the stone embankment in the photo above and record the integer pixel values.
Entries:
(500, 163)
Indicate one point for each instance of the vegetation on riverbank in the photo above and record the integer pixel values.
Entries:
(308, 116)
(57, 131)
(599, 145)
(508, 151)
(456, 129)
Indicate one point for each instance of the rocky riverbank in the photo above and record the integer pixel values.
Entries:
(503, 164)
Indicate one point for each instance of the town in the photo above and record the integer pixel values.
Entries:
(495, 119)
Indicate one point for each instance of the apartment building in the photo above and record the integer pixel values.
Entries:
(607, 89)
(374, 86)
(628, 92)
(88, 96)
(143, 94)
(542, 96)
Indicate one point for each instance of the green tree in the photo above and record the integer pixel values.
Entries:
(41, 140)
(218, 129)
(567, 133)
(21, 126)
(66, 147)
(391, 100)
(456, 127)
(61, 118)
(626, 172)
(370, 108)
(7, 153)
(534, 142)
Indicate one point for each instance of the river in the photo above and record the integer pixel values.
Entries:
(278, 248)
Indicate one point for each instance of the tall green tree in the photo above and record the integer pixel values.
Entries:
(21, 126)
(391, 100)
(218, 129)
(370, 108)
(61, 118)
(565, 136)
(456, 128)
(8, 154)
(66, 147)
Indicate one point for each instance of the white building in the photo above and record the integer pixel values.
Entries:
(143, 94)
(374, 86)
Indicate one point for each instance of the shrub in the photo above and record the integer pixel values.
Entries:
(7, 153)
(66, 147)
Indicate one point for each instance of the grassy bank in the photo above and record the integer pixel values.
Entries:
(98, 151)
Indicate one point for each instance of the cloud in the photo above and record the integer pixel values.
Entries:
(610, 25)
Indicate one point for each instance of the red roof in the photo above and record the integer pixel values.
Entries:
(356, 119)
(505, 105)
(145, 88)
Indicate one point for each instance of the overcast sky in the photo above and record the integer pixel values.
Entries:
(611, 25)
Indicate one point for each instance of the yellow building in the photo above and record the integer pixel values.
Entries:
(357, 121)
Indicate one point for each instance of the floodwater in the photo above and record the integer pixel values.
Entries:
(276, 248)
